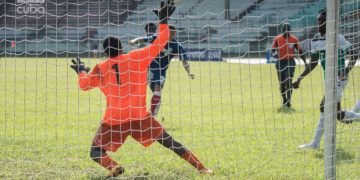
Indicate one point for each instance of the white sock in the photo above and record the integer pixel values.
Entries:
(356, 108)
(157, 105)
(351, 116)
(319, 131)
(157, 93)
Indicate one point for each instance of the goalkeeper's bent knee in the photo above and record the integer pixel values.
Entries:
(96, 153)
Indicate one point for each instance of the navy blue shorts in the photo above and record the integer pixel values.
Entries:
(156, 77)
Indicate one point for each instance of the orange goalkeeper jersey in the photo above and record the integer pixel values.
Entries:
(123, 80)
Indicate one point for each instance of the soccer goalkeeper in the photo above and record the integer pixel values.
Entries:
(318, 47)
(122, 79)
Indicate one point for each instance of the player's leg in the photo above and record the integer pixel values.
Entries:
(168, 141)
(100, 156)
(156, 86)
(356, 107)
(344, 116)
(290, 75)
(315, 143)
(280, 73)
(149, 130)
(349, 117)
(156, 98)
(108, 138)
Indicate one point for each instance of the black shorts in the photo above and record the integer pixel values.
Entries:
(285, 69)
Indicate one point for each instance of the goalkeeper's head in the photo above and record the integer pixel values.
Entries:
(112, 46)
(172, 32)
(321, 20)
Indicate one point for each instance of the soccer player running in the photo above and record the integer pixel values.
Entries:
(150, 30)
(318, 50)
(283, 50)
(159, 66)
(122, 79)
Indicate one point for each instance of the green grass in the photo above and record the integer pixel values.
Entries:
(230, 116)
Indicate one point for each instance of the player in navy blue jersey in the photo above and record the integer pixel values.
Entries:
(150, 29)
(158, 68)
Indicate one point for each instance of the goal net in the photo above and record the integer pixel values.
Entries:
(232, 114)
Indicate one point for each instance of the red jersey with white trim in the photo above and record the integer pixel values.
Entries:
(285, 46)
(123, 80)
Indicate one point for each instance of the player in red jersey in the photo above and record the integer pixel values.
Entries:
(123, 80)
(283, 49)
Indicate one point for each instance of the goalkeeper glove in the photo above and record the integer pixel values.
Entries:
(79, 66)
(166, 10)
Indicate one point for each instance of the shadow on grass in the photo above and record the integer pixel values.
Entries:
(341, 155)
(287, 110)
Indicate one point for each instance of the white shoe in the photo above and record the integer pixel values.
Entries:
(309, 146)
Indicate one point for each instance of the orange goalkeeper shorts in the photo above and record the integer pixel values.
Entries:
(146, 131)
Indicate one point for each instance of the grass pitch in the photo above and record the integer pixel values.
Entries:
(230, 116)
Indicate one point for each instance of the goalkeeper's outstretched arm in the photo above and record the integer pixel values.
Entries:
(146, 55)
(90, 81)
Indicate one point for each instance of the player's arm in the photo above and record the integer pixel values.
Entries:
(91, 80)
(308, 68)
(187, 69)
(86, 81)
(300, 51)
(140, 40)
(184, 58)
(274, 49)
(143, 57)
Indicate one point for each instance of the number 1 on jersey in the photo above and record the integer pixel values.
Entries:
(115, 67)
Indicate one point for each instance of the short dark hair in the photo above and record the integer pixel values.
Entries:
(112, 46)
(148, 25)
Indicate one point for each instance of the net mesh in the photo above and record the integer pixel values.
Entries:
(231, 115)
